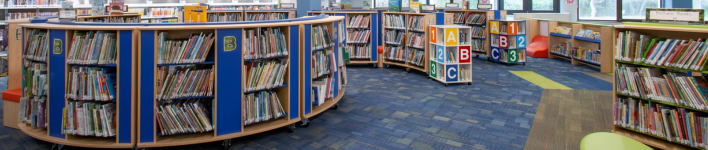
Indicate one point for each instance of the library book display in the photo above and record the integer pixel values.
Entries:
(508, 41)
(405, 39)
(360, 36)
(143, 85)
(581, 43)
(479, 21)
(450, 62)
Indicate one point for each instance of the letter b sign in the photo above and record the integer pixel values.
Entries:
(464, 52)
(503, 41)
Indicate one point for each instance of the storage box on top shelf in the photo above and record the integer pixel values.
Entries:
(450, 60)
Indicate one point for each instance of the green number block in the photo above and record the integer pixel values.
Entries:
(513, 56)
(433, 69)
(57, 46)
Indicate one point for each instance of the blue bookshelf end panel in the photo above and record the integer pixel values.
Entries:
(56, 64)
(126, 71)
(308, 70)
(374, 37)
(228, 99)
(294, 71)
(147, 86)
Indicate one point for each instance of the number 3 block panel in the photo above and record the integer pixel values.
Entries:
(450, 53)
(508, 41)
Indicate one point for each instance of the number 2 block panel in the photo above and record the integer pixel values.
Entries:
(508, 41)
(450, 53)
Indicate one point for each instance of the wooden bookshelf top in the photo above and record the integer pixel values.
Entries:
(661, 27)
(268, 11)
(105, 16)
(255, 24)
(26, 20)
(343, 12)
(76, 27)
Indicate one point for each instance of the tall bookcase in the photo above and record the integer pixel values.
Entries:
(596, 59)
(58, 67)
(473, 19)
(412, 54)
(508, 41)
(369, 45)
(676, 108)
(394, 37)
(450, 62)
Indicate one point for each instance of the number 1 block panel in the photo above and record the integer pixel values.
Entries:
(508, 41)
(450, 53)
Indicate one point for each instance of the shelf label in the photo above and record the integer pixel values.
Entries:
(287, 5)
(513, 56)
(495, 27)
(441, 53)
(452, 5)
(433, 34)
(673, 14)
(521, 40)
(57, 46)
(427, 7)
(513, 28)
(495, 53)
(451, 71)
(484, 6)
(433, 69)
(450, 36)
(229, 43)
(464, 52)
(503, 41)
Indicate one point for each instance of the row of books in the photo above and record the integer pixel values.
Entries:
(359, 36)
(115, 20)
(192, 50)
(89, 119)
(359, 21)
(322, 89)
(93, 47)
(520, 55)
(21, 15)
(416, 40)
(88, 11)
(160, 20)
(224, 17)
(33, 106)
(662, 85)
(266, 16)
(670, 123)
(91, 83)
(415, 57)
(36, 46)
(562, 48)
(479, 32)
(323, 63)
(587, 33)
(478, 45)
(586, 54)
(189, 116)
(562, 30)
(32, 3)
(262, 106)
(184, 82)
(416, 23)
(254, 7)
(35, 78)
(394, 37)
(394, 53)
(476, 19)
(265, 74)
(450, 57)
(394, 21)
(464, 38)
(33, 111)
(459, 18)
(165, 11)
(265, 43)
(465, 74)
(321, 37)
(359, 51)
(137, 10)
(678, 53)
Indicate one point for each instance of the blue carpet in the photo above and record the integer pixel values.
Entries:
(387, 108)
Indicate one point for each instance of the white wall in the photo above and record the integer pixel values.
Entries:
(571, 8)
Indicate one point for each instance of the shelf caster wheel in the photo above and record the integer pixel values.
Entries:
(469, 83)
(408, 69)
(387, 65)
(335, 106)
(445, 84)
(57, 146)
(476, 56)
(291, 128)
(374, 65)
(507, 64)
(524, 63)
(226, 144)
(304, 122)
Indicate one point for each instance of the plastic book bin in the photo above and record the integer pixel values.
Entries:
(607, 141)
(538, 47)
(11, 107)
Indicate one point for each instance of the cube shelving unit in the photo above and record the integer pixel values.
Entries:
(508, 41)
(450, 61)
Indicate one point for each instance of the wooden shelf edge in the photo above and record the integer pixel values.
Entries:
(649, 140)
(326, 105)
(361, 62)
(41, 134)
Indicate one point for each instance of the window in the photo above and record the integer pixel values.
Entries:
(636, 9)
(513, 4)
(597, 9)
(439, 3)
(381, 3)
(542, 5)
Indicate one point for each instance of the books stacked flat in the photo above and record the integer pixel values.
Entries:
(191, 116)
(359, 51)
(586, 54)
(660, 85)
(36, 45)
(476, 19)
(562, 49)
(394, 37)
(91, 84)
(93, 47)
(394, 21)
(394, 53)
(677, 53)
(666, 122)
(562, 30)
(323, 63)
(89, 119)
(184, 82)
(265, 75)
(359, 36)
(321, 37)
(415, 57)
(224, 17)
(192, 50)
(265, 43)
(359, 21)
(416, 23)
(262, 106)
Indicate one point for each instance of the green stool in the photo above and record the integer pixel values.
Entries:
(610, 141)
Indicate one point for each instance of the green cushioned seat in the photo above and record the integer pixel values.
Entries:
(610, 141)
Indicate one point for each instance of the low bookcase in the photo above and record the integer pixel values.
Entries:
(450, 62)
(508, 41)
